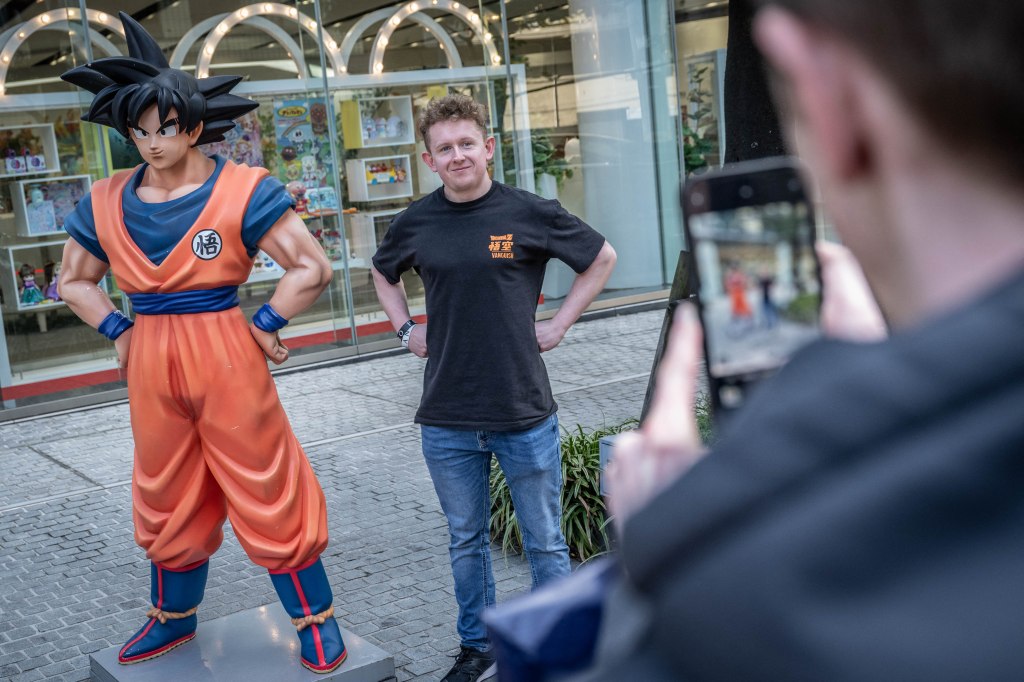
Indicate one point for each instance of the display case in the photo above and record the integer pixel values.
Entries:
(30, 278)
(378, 178)
(377, 122)
(365, 230)
(28, 150)
(41, 205)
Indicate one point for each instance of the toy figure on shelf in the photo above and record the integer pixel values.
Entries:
(29, 291)
(34, 163)
(13, 162)
(52, 273)
(327, 201)
(310, 175)
(396, 127)
(211, 438)
(382, 173)
(297, 190)
(39, 213)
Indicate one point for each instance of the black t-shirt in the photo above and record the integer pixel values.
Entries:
(482, 265)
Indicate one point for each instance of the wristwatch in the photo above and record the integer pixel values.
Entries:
(405, 332)
(406, 328)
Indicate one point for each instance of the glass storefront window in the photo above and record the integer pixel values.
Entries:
(702, 31)
(604, 126)
(49, 159)
(582, 95)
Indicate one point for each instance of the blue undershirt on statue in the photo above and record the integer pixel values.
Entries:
(156, 228)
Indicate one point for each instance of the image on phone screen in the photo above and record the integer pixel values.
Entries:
(759, 289)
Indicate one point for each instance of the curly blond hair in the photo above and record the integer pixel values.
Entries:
(453, 107)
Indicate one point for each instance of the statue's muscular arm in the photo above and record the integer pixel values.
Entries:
(307, 274)
(79, 286)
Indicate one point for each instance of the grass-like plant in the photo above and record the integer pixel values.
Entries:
(584, 516)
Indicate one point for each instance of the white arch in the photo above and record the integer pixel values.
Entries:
(268, 27)
(357, 30)
(63, 26)
(306, 23)
(472, 19)
(13, 38)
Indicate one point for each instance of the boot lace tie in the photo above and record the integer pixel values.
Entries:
(164, 616)
(317, 619)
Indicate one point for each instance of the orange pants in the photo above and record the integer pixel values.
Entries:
(213, 442)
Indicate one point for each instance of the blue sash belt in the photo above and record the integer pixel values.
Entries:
(183, 302)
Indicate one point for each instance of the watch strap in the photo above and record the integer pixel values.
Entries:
(405, 329)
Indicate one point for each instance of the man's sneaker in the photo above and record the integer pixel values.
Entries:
(472, 665)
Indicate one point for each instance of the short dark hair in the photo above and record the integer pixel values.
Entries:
(126, 86)
(453, 107)
(957, 65)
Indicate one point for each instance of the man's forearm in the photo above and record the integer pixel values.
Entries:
(392, 299)
(586, 287)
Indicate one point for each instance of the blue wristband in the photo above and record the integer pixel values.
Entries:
(114, 324)
(267, 319)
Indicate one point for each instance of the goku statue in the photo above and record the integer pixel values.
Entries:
(212, 441)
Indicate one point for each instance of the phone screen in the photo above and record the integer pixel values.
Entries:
(752, 238)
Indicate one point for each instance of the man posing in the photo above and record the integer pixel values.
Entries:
(862, 517)
(480, 248)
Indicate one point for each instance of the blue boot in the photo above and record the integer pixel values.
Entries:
(172, 620)
(306, 596)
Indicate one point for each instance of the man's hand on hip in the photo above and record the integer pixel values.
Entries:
(418, 340)
(549, 335)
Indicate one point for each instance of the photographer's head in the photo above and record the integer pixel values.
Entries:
(956, 65)
(908, 113)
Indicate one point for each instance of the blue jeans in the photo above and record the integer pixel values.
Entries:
(460, 467)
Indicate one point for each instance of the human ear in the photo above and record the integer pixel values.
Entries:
(429, 160)
(489, 146)
(822, 95)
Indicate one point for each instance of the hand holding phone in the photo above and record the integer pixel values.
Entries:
(849, 311)
(750, 228)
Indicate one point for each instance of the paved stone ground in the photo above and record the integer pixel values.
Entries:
(72, 580)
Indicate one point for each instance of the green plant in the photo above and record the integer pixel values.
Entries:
(583, 510)
(546, 159)
(698, 117)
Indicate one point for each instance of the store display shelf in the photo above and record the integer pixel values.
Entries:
(42, 205)
(377, 122)
(28, 150)
(38, 307)
(378, 178)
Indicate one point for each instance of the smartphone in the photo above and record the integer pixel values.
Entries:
(750, 229)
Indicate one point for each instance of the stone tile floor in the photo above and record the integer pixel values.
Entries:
(72, 580)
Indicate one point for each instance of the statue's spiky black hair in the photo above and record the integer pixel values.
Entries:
(126, 86)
